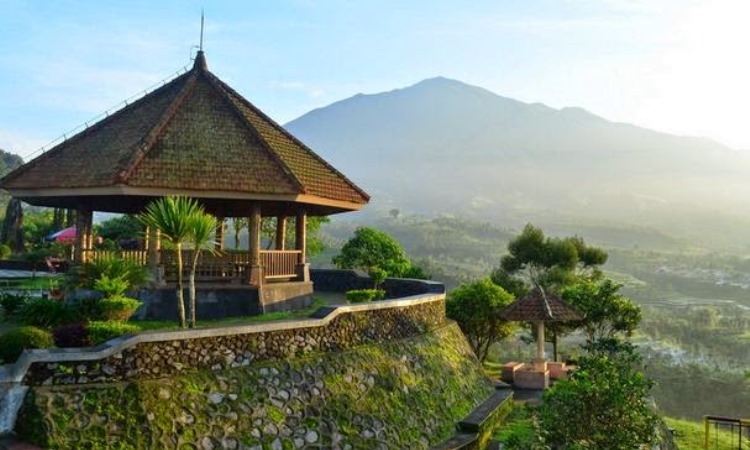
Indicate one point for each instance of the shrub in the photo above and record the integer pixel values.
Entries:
(11, 303)
(72, 335)
(16, 341)
(86, 275)
(118, 308)
(100, 332)
(5, 251)
(87, 308)
(365, 295)
(378, 276)
(45, 313)
(111, 286)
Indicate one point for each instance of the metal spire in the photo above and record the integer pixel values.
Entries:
(200, 47)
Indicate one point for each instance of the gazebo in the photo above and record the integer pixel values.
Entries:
(196, 137)
(538, 307)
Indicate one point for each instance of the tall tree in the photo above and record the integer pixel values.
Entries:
(238, 223)
(171, 215)
(12, 231)
(476, 307)
(550, 263)
(370, 248)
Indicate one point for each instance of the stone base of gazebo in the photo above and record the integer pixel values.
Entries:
(531, 377)
(227, 300)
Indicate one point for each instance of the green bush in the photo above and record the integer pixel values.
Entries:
(12, 303)
(86, 275)
(111, 287)
(16, 341)
(118, 308)
(87, 308)
(100, 332)
(5, 251)
(365, 295)
(45, 312)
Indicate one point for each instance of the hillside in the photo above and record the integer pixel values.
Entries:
(442, 146)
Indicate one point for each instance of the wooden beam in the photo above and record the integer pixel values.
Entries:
(254, 234)
(84, 218)
(220, 227)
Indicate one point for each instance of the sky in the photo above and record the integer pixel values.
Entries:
(679, 66)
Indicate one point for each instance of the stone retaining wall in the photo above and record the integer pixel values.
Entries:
(154, 355)
(404, 394)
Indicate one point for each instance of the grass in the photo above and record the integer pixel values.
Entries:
(38, 283)
(691, 435)
(518, 431)
(493, 369)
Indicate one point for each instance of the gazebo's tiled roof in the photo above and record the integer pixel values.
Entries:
(538, 306)
(193, 134)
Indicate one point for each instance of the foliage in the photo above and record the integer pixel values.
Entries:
(118, 308)
(604, 404)
(16, 341)
(378, 276)
(476, 307)
(12, 302)
(72, 335)
(416, 272)
(110, 267)
(690, 435)
(370, 248)
(171, 215)
(37, 224)
(606, 312)
(111, 287)
(201, 227)
(100, 332)
(121, 229)
(364, 295)
(521, 430)
(44, 313)
(5, 251)
(549, 262)
(315, 244)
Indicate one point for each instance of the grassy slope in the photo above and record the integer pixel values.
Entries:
(691, 435)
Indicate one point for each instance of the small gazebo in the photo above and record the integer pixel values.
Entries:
(196, 137)
(539, 307)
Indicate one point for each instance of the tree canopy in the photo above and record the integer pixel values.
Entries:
(372, 248)
(476, 307)
(548, 262)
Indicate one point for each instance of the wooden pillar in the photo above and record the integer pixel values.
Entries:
(220, 227)
(84, 219)
(256, 269)
(281, 232)
(540, 363)
(303, 269)
(153, 248)
(301, 235)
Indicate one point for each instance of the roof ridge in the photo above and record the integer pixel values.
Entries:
(292, 138)
(88, 130)
(150, 138)
(222, 87)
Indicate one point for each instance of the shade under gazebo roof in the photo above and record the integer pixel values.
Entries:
(538, 306)
(194, 136)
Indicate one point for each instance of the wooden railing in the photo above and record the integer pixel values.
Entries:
(139, 256)
(279, 263)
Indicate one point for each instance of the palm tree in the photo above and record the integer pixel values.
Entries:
(201, 226)
(171, 216)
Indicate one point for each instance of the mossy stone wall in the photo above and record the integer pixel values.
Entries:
(407, 393)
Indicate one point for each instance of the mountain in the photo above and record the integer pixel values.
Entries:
(443, 146)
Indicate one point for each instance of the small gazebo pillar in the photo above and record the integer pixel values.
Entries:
(281, 232)
(220, 227)
(540, 363)
(256, 267)
(84, 240)
(303, 269)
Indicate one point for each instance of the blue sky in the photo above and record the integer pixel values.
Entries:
(677, 66)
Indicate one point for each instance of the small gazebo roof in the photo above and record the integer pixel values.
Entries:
(194, 136)
(538, 306)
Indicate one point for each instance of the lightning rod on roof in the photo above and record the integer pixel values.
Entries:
(200, 47)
